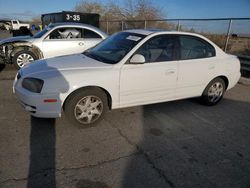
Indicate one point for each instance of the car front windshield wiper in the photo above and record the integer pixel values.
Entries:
(98, 58)
(92, 56)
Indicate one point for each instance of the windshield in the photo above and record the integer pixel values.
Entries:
(45, 30)
(114, 48)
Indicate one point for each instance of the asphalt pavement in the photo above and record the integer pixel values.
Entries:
(173, 144)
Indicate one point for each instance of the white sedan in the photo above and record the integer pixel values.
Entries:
(133, 67)
(55, 40)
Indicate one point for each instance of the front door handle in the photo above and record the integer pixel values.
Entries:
(80, 43)
(168, 72)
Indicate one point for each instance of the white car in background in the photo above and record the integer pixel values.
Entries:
(130, 68)
(55, 40)
(16, 24)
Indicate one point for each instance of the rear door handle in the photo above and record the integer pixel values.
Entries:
(211, 67)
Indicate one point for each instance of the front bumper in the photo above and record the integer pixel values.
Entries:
(34, 103)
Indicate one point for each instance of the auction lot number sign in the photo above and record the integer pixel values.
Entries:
(73, 17)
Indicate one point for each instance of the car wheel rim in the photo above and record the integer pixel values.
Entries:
(24, 59)
(215, 92)
(88, 109)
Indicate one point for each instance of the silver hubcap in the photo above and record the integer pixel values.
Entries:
(215, 92)
(24, 59)
(88, 109)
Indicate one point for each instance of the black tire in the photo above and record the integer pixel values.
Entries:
(207, 97)
(80, 96)
(17, 64)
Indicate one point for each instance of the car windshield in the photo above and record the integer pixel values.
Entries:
(114, 48)
(45, 30)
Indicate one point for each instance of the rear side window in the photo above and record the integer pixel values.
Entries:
(90, 34)
(194, 48)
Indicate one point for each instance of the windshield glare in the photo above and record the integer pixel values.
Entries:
(45, 30)
(114, 48)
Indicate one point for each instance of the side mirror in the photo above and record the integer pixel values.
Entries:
(137, 59)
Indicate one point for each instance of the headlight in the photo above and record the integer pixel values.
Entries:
(33, 84)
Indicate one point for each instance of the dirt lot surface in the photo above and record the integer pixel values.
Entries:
(4, 34)
(174, 144)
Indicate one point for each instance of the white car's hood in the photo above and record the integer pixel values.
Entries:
(69, 62)
(17, 39)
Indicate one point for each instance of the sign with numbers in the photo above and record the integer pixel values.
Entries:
(74, 17)
(69, 16)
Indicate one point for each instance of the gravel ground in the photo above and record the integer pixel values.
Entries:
(174, 144)
(4, 34)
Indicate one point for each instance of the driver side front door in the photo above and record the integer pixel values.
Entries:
(156, 79)
(63, 41)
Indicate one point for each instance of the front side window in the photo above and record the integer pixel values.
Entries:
(194, 48)
(158, 49)
(65, 33)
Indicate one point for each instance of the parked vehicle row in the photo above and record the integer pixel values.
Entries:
(13, 25)
(55, 40)
(129, 68)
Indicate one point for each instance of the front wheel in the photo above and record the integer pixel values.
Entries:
(214, 92)
(23, 58)
(86, 107)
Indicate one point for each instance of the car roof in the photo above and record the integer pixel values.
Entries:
(148, 32)
(139, 31)
(72, 24)
(162, 31)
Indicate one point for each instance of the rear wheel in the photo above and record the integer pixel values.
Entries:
(23, 58)
(86, 107)
(214, 92)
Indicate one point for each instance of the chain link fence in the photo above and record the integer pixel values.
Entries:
(232, 35)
